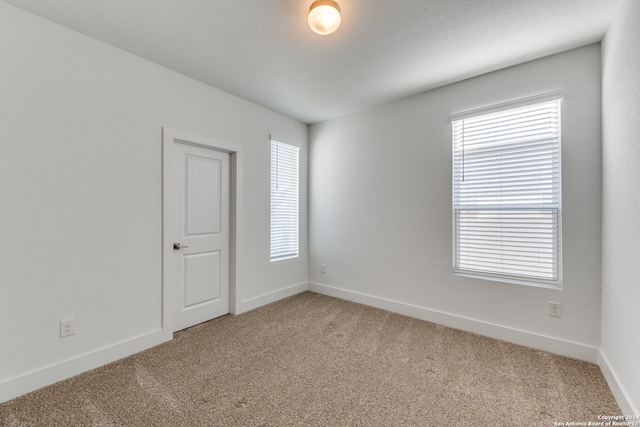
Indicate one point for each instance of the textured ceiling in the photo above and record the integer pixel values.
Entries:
(263, 50)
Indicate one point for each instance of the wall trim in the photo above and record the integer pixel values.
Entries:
(617, 389)
(528, 339)
(48, 375)
(270, 297)
(31, 381)
(34, 380)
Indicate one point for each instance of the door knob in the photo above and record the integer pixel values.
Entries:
(178, 246)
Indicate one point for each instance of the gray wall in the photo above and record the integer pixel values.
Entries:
(81, 197)
(80, 202)
(621, 201)
(380, 209)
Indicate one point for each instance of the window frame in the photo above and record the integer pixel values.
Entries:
(556, 251)
(285, 206)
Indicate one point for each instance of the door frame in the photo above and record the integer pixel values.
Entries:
(169, 137)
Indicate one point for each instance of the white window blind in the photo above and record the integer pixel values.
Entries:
(284, 200)
(506, 194)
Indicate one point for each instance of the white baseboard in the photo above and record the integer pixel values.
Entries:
(268, 298)
(31, 381)
(42, 377)
(527, 339)
(618, 390)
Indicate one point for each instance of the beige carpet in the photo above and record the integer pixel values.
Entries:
(316, 360)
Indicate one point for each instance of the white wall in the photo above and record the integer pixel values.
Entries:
(621, 203)
(380, 209)
(80, 197)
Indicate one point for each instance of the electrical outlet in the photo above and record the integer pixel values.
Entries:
(67, 327)
(323, 268)
(555, 309)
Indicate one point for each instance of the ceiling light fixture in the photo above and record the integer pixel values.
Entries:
(324, 16)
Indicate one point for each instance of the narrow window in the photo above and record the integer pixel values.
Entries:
(284, 201)
(506, 193)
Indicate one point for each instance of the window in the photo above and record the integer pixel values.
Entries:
(284, 200)
(506, 193)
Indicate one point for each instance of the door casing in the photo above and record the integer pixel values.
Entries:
(170, 137)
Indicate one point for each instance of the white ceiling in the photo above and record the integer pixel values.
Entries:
(263, 50)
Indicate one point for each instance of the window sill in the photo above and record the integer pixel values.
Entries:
(284, 258)
(546, 285)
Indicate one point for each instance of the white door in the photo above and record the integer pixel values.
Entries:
(200, 234)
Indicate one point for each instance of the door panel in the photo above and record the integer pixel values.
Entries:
(202, 278)
(202, 201)
(201, 196)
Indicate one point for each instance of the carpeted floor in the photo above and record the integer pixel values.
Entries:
(320, 361)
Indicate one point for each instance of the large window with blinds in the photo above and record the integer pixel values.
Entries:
(284, 200)
(507, 192)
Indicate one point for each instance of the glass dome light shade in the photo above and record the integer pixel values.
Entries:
(324, 16)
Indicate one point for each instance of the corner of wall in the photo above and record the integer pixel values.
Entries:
(618, 390)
